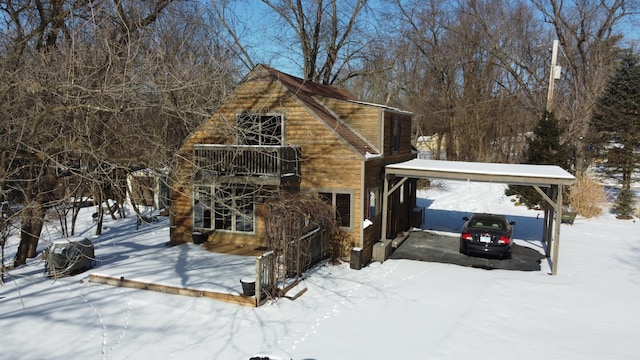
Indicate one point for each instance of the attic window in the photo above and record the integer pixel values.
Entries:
(259, 128)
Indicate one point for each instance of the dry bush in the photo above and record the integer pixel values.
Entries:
(340, 245)
(426, 184)
(587, 196)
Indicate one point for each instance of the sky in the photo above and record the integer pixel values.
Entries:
(283, 54)
(397, 309)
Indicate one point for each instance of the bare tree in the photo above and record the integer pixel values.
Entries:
(590, 36)
(119, 84)
(327, 38)
(476, 72)
(327, 33)
(469, 67)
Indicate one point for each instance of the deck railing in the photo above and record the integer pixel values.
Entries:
(245, 160)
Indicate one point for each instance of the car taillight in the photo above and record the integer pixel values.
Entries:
(504, 240)
(467, 236)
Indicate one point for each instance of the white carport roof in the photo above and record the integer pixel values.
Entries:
(519, 174)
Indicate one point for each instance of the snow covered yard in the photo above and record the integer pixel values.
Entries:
(399, 309)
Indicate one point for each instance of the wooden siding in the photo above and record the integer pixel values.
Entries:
(405, 135)
(364, 119)
(328, 163)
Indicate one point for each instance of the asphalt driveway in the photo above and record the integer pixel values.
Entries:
(427, 246)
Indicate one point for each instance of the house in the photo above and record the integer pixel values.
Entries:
(278, 131)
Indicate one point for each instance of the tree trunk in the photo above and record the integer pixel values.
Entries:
(98, 196)
(37, 221)
(32, 220)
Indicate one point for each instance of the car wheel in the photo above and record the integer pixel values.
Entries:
(507, 256)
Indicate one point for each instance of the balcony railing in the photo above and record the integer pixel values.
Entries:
(273, 164)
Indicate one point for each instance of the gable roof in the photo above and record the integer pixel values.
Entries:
(304, 90)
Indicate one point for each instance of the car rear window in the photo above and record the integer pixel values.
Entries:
(488, 224)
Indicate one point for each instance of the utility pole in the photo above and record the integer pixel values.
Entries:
(554, 74)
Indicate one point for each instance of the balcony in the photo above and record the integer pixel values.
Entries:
(260, 165)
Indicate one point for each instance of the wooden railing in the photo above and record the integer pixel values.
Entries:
(273, 279)
(306, 251)
(282, 162)
(265, 277)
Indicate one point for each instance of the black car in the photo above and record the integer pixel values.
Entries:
(487, 234)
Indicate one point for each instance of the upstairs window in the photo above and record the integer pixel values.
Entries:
(395, 135)
(259, 129)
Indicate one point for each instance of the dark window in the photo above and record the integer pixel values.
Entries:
(373, 203)
(342, 205)
(244, 202)
(343, 208)
(223, 209)
(260, 129)
(328, 197)
(395, 135)
(232, 208)
(202, 207)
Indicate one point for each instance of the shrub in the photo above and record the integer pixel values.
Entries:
(586, 196)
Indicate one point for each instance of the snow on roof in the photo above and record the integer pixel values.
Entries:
(480, 171)
(391, 108)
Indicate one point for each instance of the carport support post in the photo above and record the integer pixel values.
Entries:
(554, 198)
(549, 216)
(385, 202)
(385, 206)
(556, 242)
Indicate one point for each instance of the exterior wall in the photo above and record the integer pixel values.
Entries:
(364, 119)
(399, 219)
(374, 173)
(405, 135)
(328, 164)
(374, 178)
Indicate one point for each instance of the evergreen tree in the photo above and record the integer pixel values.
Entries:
(544, 148)
(624, 204)
(616, 123)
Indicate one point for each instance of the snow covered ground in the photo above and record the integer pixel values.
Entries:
(398, 309)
